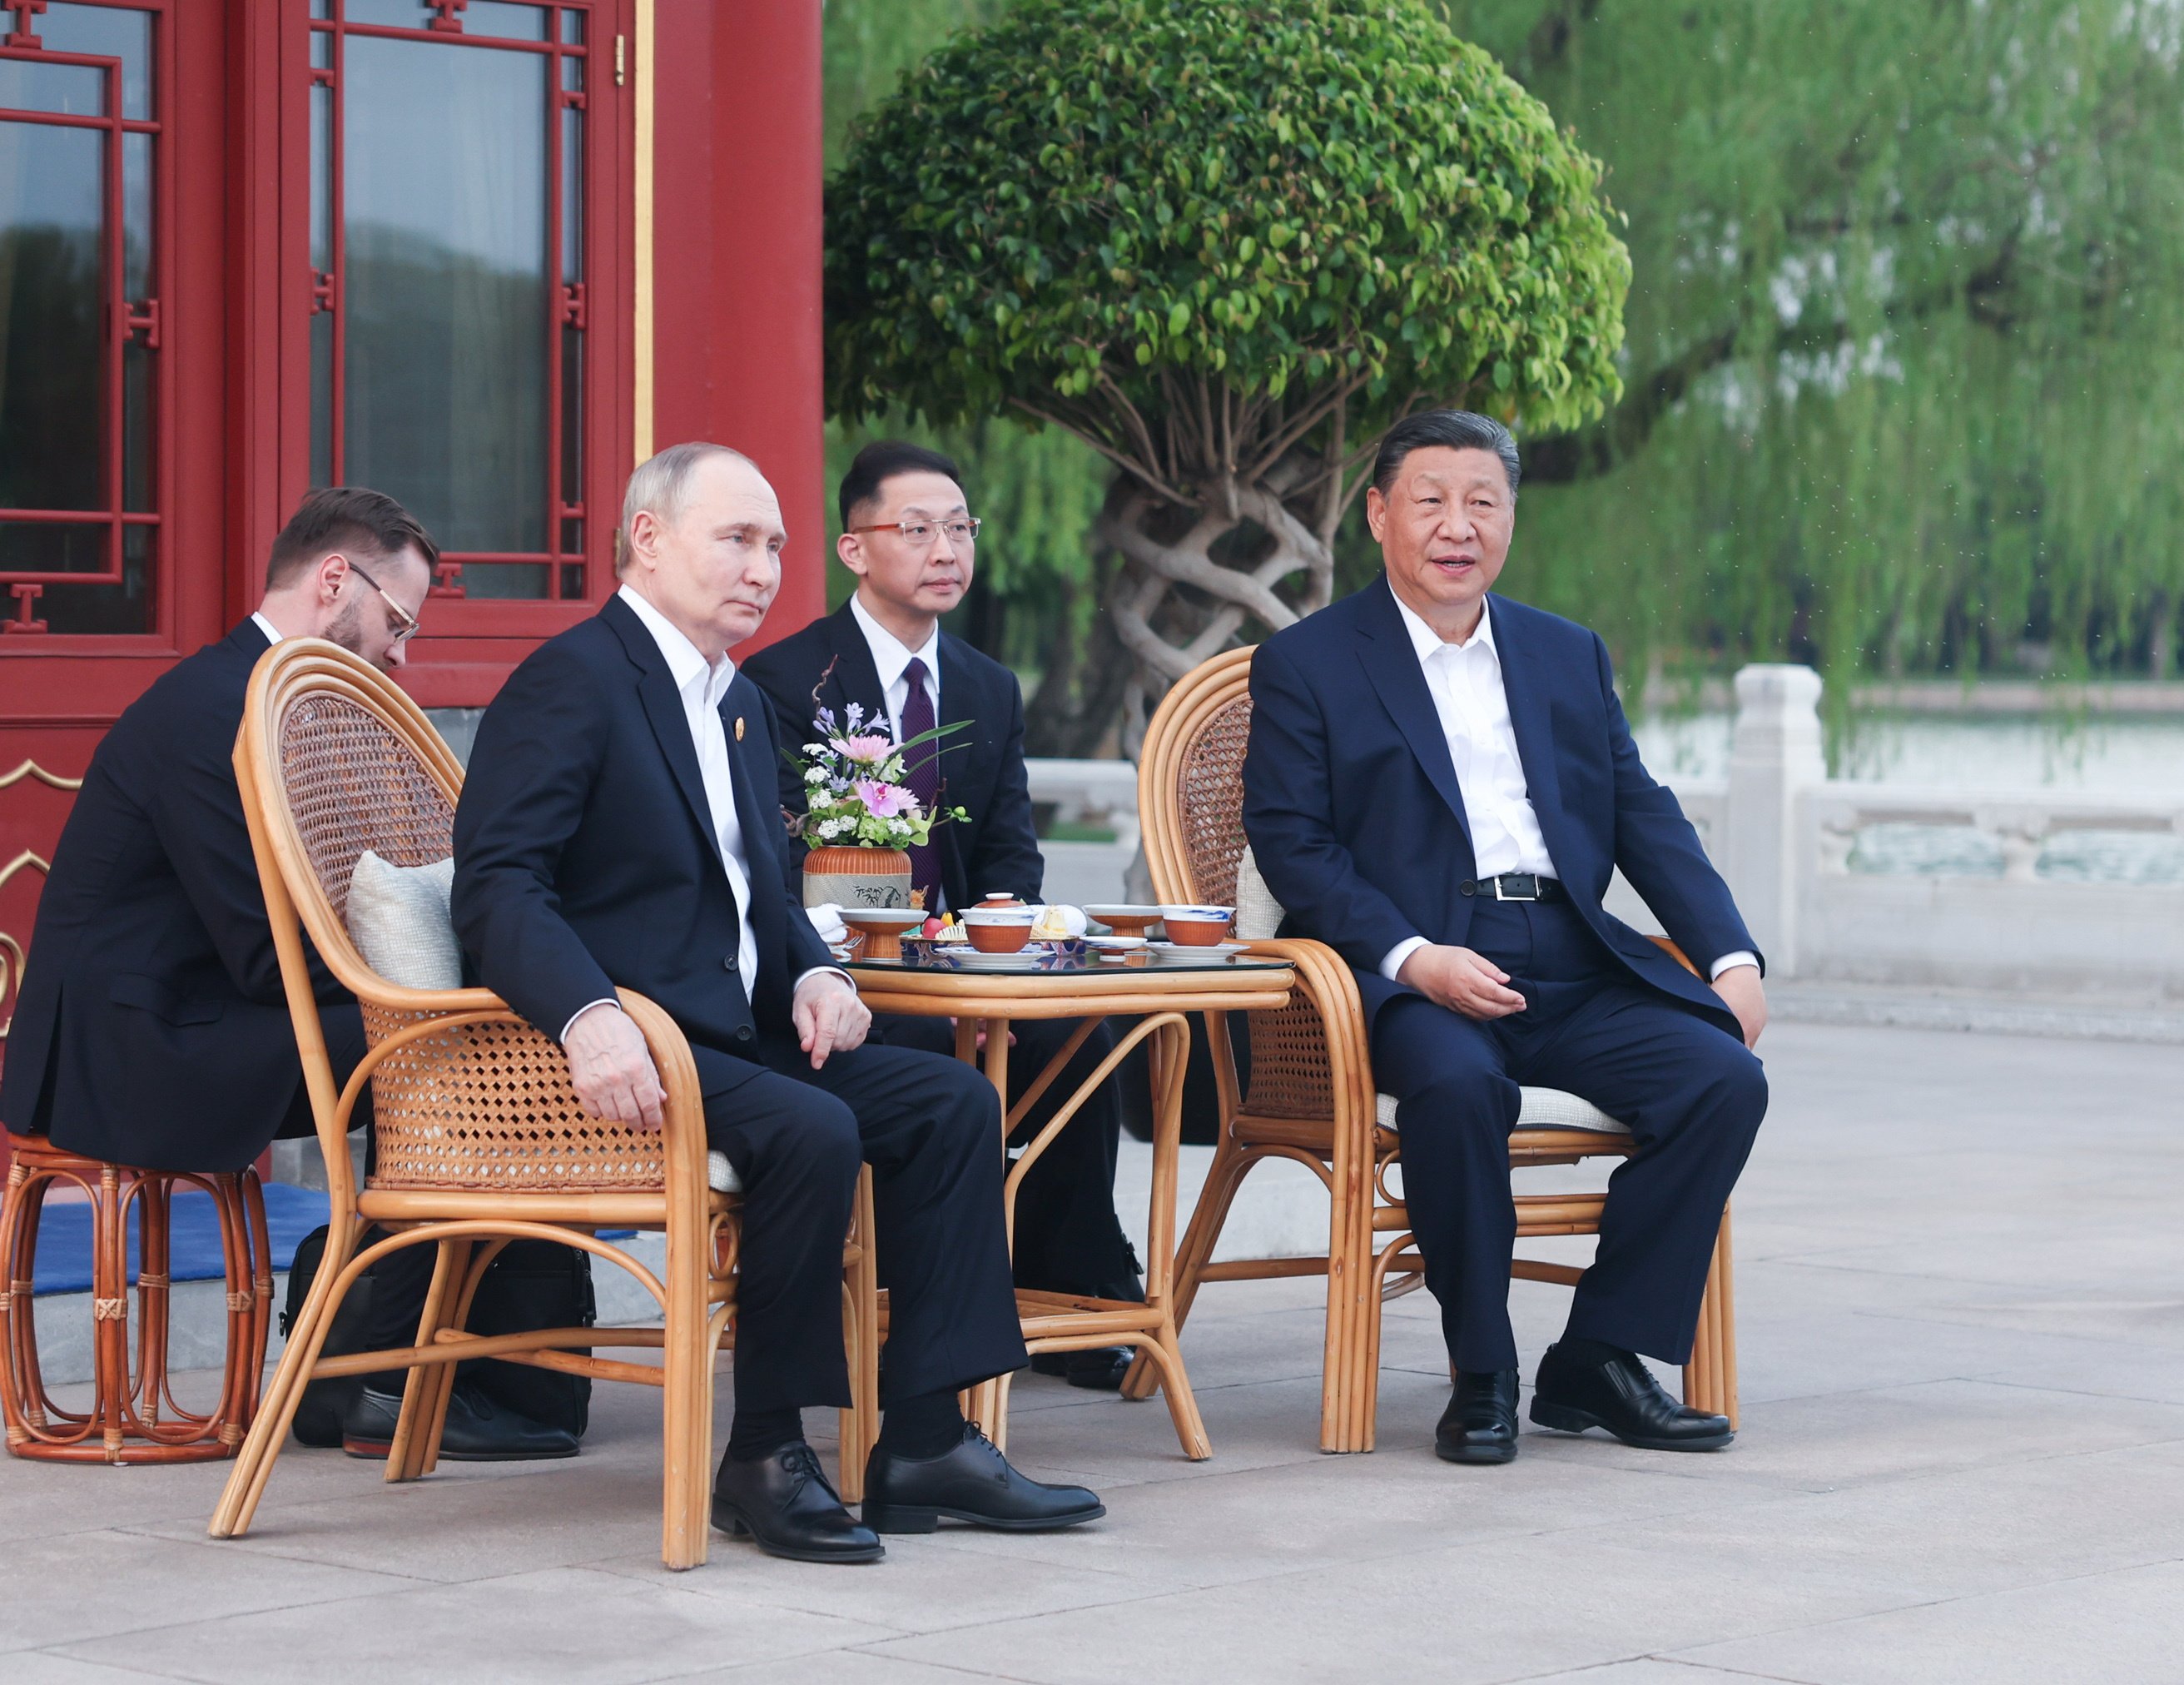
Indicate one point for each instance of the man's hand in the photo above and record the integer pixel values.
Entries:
(1461, 980)
(612, 1068)
(829, 1016)
(1740, 989)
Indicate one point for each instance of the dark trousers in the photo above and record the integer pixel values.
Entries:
(1068, 1239)
(1691, 1094)
(796, 1136)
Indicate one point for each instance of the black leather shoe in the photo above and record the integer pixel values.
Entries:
(1479, 1425)
(1621, 1396)
(783, 1501)
(478, 1431)
(973, 1483)
(1099, 1371)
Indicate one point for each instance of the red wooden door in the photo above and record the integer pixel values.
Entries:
(112, 407)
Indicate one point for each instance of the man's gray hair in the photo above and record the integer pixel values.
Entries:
(661, 486)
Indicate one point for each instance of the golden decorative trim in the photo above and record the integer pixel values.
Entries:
(31, 769)
(641, 304)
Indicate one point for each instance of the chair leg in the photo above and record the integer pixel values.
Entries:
(1710, 1377)
(1231, 1161)
(416, 1449)
(268, 1431)
(1159, 1350)
(859, 1423)
(1350, 1369)
(686, 1428)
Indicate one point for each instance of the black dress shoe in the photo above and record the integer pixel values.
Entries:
(1100, 1370)
(973, 1483)
(1621, 1396)
(1479, 1425)
(783, 1501)
(478, 1431)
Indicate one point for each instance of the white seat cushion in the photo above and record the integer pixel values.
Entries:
(720, 1175)
(1543, 1108)
(398, 916)
(1258, 915)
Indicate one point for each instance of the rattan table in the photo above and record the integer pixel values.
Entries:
(1158, 991)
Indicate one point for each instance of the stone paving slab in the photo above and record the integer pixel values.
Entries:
(1961, 1306)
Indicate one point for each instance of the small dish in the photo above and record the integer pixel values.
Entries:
(882, 928)
(1123, 918)
(1116, 944)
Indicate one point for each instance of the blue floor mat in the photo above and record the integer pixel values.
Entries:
(64, 1263)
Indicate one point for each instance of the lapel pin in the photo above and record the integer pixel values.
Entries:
(739, 728)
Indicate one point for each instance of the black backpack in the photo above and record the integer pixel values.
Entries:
(531, 1284)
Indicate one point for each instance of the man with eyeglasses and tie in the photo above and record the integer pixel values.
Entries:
(909, 537)
(152, 1029)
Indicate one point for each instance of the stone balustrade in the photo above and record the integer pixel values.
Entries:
(1842, 880)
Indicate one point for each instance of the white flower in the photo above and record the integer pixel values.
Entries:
(814, 775)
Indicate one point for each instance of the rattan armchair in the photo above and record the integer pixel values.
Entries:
(1311, 1097)
(479, 1139)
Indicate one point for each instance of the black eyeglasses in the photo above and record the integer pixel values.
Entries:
(405, 624)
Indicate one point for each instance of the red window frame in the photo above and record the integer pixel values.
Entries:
(123, 321)
(469, 644)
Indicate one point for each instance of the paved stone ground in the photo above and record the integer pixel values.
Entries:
(1961, 1287)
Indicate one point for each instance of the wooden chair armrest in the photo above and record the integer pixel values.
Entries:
(1676, 953)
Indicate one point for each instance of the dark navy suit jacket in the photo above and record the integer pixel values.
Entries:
(1357, 820)
(585, 855)
(152, 1029)
(828, 664)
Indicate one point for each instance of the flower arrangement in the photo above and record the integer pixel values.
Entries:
(854, 793)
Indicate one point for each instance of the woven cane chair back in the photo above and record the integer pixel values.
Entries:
(478, 1104)
(1190, 799)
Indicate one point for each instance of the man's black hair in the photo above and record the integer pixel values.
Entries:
(346, 518)
(881, 461)
(1455, 429)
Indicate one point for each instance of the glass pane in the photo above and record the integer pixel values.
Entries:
(50, 296)
(572, 26)
(137, 425)
(573, 582)
(401, 13)
(322, 192)
(572, 538)
(322, 8)
(322, 398)
(110, 609)
(506, 21)
(503, 579)
(49, 547)
(573, 420)
(572, 196)
(106, 32)
(63, 90)
(322, 49)
(447, 291)
(572, 72)
(137, 218)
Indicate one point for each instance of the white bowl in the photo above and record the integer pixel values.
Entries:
(1000, 915)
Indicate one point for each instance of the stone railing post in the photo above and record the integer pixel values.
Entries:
(1775, 756)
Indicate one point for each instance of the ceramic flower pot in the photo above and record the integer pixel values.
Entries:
(852, 877)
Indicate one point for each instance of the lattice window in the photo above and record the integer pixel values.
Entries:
(81, 263)
(448, 292)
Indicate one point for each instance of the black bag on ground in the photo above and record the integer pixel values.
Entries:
(531, 1284)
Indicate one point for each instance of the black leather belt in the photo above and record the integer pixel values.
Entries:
(1514, 886)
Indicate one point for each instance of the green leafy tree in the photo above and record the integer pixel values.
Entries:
(1223, 243)
(1905, 334)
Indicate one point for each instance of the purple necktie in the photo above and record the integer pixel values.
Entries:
(922, 768)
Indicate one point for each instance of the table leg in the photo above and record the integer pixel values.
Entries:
(1170, 1054)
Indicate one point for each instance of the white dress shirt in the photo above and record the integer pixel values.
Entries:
(701, 685)
(892, 657)
(272, 632)
(1464, 680)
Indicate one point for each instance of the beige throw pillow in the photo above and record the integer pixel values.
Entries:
(398, 916)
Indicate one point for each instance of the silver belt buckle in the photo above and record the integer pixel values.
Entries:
(1498, 894)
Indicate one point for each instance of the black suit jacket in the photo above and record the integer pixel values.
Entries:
(584, 849)
(829, 665)
(152, 1029)
(1357, 820)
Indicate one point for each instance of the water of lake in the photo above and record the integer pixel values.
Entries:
(2125, 755)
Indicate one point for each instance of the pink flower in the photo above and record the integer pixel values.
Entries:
(884, 802)
(871, 746)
